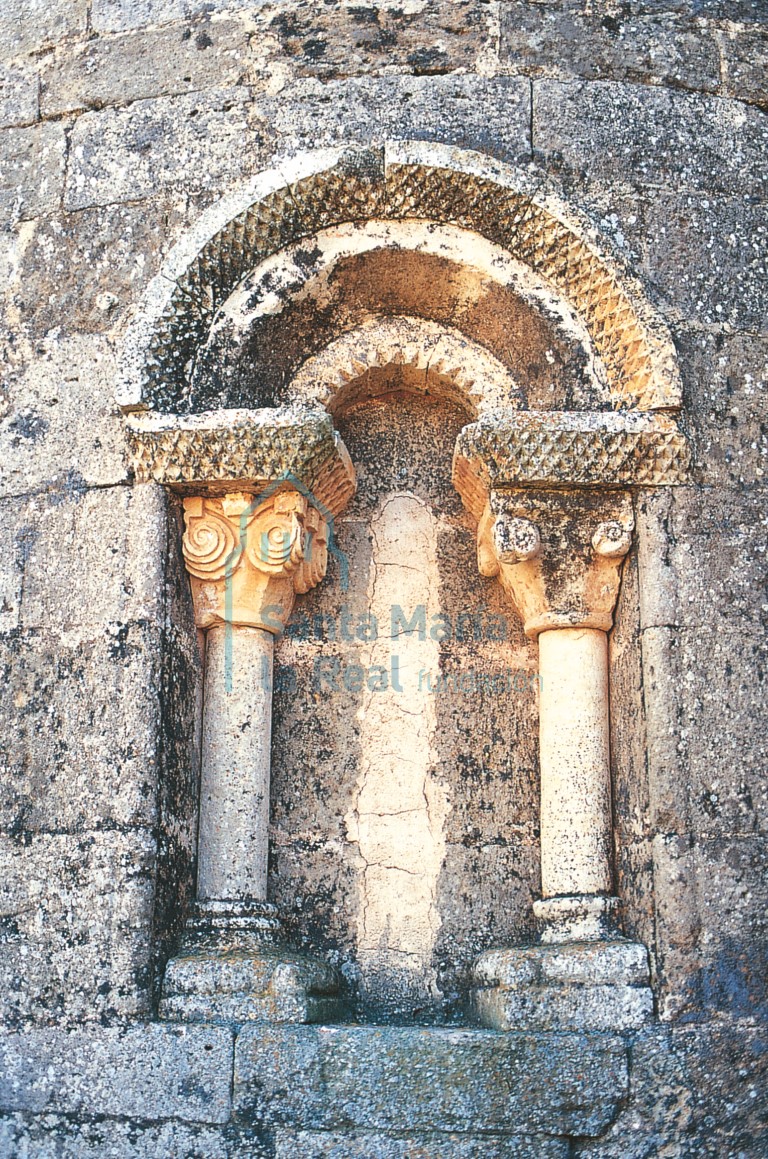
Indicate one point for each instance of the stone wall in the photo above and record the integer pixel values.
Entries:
(120, 122)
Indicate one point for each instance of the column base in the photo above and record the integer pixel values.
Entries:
(590, 985)
(232, 969)
(584, 917)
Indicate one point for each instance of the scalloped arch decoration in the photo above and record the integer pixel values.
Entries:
(426, 182)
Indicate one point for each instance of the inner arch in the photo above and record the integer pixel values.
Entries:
(301, 299)
(400, 181)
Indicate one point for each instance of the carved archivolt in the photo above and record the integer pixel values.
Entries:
(446, 364)
(429, 183)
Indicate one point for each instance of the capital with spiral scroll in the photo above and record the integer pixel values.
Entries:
(247, 558)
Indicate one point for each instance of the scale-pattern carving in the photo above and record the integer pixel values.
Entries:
(637, 362)
(497, 455)
(238, 454)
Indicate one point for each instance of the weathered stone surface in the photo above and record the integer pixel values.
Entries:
(238, 986)
(150, 1072)
(32, 172)
(120, 15)
(436, 37)
(361, 1145)
(609, 1009)
(706, 255)
(62, 1137)
(18, 95)
(574, 40)
(35, 24)
(382, 1078)
(76, 911)
(80, 271)
(123, 155)
(732, 886)
(745, 57)
(726, 376)
(710, 1081)
(454, 109)
(724, 566)
(163, 62)
(94, 761)
(632, 136)
(108, 546)
(11, 577)
(44, 450)
(578, 986)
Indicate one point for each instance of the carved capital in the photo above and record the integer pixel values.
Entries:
(248, 559)
(557, 554)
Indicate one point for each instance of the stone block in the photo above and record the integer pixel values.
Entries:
(491, 115)
(615, 963)
(438, 37)
(11, 576)
(150, 1072)
(600, 986)
(80, 737)
(18, 95)
(43, 449)
(657, 580)
(36, 24)
(745, 61)
(677, 926)
(32, 173)
(123, 154)
(61, 1137)
(562, 1008)
(378, 1079)
(95, 557)
(564, 41)
(266, 984)
(724, 696)
(725, 378)
(628, 741)
(122, 15)
(710, 1082)
(706, 255)
(77, 915)
(723, 572)
(81, 272)
(732, 887)
(114, 70)
(633, 136)
(368, 1145)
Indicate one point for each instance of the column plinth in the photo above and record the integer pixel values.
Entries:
(558, 555)
(247, 560)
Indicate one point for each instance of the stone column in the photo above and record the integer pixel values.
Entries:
(233, 841)
(558, 556)
(575, 763)
(247, 559)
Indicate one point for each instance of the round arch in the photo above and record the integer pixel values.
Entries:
(395, 183)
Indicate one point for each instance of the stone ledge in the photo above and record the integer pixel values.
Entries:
(147, 1071)
(230, 450)
(379, 1078)
(577, 448)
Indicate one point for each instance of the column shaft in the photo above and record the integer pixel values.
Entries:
(576, 821)
(233, 839)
